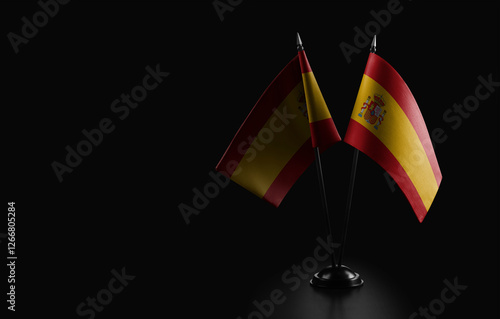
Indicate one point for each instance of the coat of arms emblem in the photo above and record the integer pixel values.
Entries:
(372, 110)
(303, 107)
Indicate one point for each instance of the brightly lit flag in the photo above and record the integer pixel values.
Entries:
(386, 124)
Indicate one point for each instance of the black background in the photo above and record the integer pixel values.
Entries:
(119, 207)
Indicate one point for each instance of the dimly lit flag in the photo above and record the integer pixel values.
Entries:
(273, 146)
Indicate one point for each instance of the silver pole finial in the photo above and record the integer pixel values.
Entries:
(300, 47)
(373, 47)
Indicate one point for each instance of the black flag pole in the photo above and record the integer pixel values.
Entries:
(319, 170)
(373, 49)
(321, 182)
(335, 275)
(349, 202)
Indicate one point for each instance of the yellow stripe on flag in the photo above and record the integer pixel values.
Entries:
(278, 140)
(314, 97)
(398, 135)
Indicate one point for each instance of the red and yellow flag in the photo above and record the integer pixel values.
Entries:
(273, 146)
(323, 131)
(386, 124)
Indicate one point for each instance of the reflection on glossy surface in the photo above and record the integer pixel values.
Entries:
(381, 296)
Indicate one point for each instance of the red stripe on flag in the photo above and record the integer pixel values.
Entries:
(381, 71)
(289, 174)
(272, 97)
(364, 140)
(324, 133)
(304, 63)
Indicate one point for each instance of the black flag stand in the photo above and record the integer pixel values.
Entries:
(337, 275)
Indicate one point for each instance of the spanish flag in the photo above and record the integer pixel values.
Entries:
(273, 146)
(386, 124)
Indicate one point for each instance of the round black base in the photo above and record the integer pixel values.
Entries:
(336, 277)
